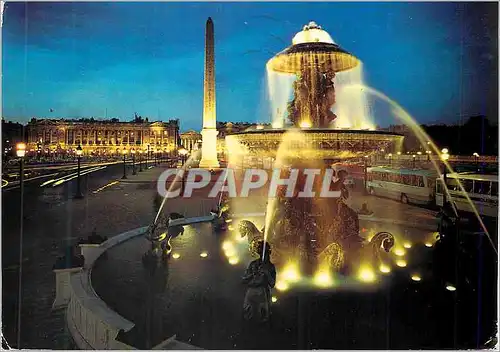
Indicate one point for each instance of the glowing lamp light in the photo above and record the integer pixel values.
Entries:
(399, 252)
(234, 260)
(428, 244)
(384, 269)
(230, 252)
(274, 299)
(79, 150)
(407, 245)
(282, 286)
(226, 245)
(323, 279)
(203, 254)
(133, 151)
(444, 150)
(401, 263)
(176, 255)
(21, 149)
(229, 220)
(124, 151)
(305, 124)
(416, 277)
(260, 127)
(291, 274)
(476, 155)
(451, 288)
(230, 227)
(366, 275)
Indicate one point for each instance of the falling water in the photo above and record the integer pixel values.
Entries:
(279, 87)
(352, 105)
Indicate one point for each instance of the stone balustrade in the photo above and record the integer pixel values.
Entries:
(92, 324)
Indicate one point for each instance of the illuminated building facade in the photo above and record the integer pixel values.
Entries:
(191, 140)
(101, 136)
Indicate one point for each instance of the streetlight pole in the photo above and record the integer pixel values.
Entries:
(79, 194)
(140, 160)
(124, 165)
(413, 163)
(444, 156)
(365, 176)
(133, 162)
(147, 156)
(21, 152)
(476, 157)
(390, 159)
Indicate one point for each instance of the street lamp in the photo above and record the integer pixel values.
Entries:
(444, 156)
(390, 159)
(414, 157)
(133, 161)
(183, 152)
(124, 152)
(365, 169)
(147, 156)
(476, 157)
(78, 194)
(140, 160)
(20, 152)
(428, 152)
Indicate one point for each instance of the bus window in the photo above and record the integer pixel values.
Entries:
(439, 187)
(481, 187)
(494, 189)
(467, 184)
(452, 184)
(431, 183)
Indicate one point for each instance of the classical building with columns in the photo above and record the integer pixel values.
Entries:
(102, 136)
(191, 140)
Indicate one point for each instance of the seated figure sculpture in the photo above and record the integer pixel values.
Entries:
(316, 232)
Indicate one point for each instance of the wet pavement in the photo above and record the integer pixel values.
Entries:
(52, 220)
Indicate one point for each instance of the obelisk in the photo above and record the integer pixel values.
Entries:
(209, 131)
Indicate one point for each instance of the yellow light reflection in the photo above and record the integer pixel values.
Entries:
(274, 299)
(401, 263)
(416, 277)
(323, 279)
(234, 260)
(451, 288)
(366, 275)
(176, 255)
(203, 254)
(407, 245)
(305, 124)
(282, 286)
(399, 252)
(384, 268)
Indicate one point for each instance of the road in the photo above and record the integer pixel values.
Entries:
(53, 219)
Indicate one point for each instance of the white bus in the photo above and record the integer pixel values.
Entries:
(482, 190)
(406, 185)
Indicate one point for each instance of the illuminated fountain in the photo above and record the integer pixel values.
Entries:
(314, 236)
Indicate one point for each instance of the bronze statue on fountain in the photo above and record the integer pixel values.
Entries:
(314, 96)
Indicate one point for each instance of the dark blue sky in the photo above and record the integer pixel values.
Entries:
(438, 60)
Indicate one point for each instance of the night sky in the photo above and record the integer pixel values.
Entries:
(438, 60)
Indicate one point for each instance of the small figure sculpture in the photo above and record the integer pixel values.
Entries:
(364, 210)
(260, 277)
(70, 259)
